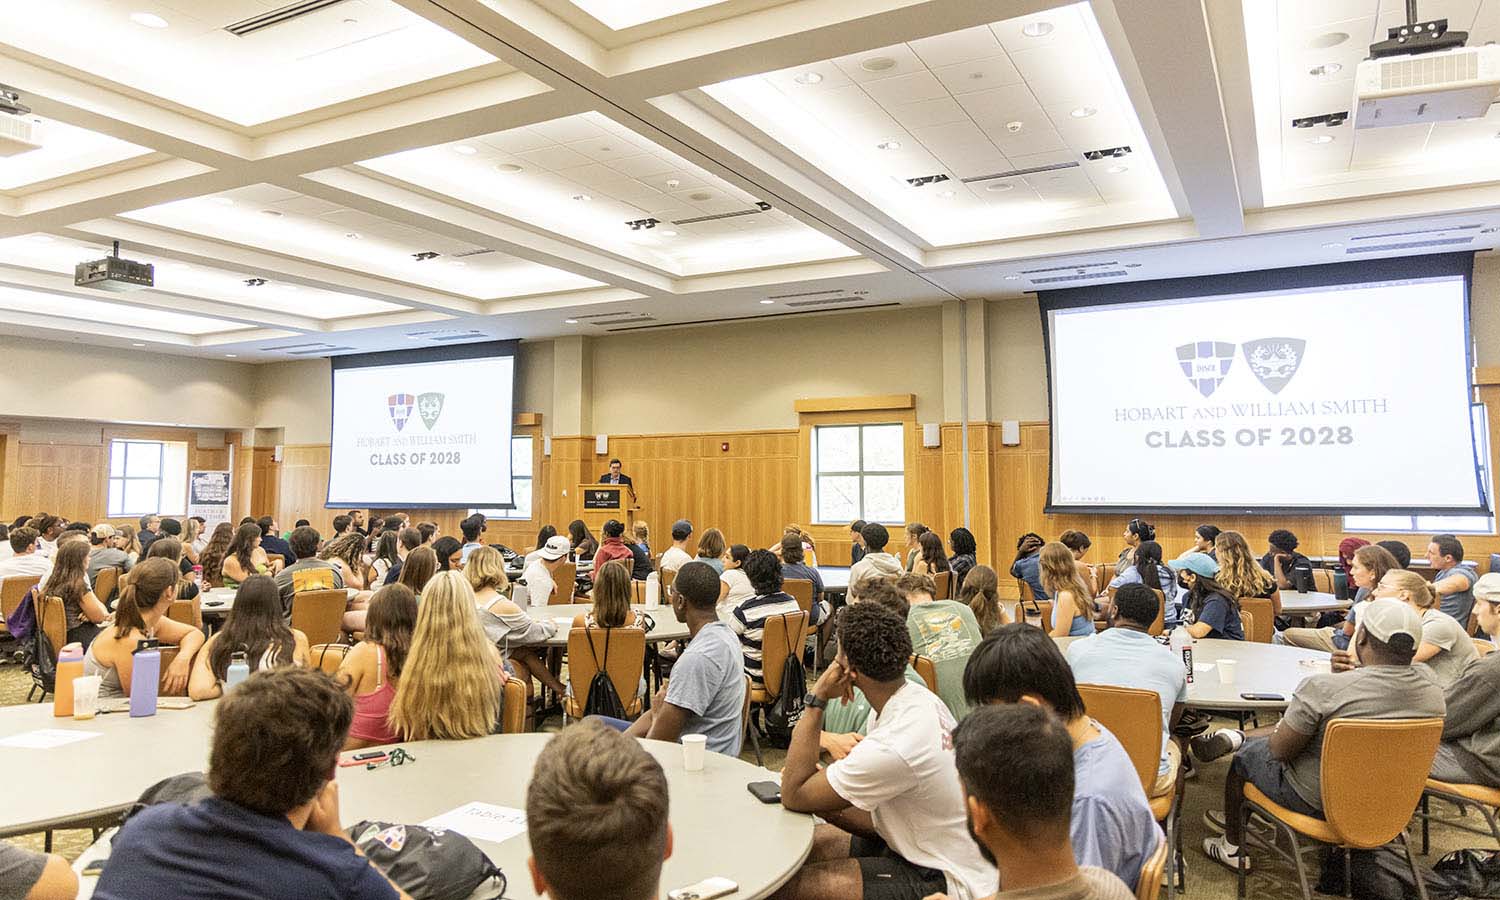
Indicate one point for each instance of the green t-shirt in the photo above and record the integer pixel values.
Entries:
(946, 632)
(854, 716)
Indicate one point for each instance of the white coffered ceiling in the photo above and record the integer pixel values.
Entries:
(368, 173)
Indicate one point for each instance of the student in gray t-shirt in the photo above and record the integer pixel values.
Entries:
(24, 874)
(707, 692)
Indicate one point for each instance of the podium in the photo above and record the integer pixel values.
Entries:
(598, 503)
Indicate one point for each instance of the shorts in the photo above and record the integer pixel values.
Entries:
(888, 876)
(1256, 765)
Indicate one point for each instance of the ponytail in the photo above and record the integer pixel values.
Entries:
(141, 589)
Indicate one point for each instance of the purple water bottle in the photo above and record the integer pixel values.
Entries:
(145, 679)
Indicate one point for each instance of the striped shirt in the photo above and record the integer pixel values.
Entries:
(748, 621)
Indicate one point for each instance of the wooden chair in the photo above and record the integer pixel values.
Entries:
(53, 619)
(1103, 575)
(168, 656)
(1160, 625)
(1323, 580)
(780, 638)
(320, 614)
(944, 584)
(668, 578)
(1354, 815)
(12, 592)
(927, 670)
(1149, 884)
(106, 583)
(327, 657)
(566, 578)
(513, 706)
(1247, 623)
(1024, 591)
(802, 591)
(1024, 613)
(188, 612)
(1260, 623)
(1463, 796)
(622, 653)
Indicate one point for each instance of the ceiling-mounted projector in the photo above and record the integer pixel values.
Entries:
(112, 273)
(1422, 73)
(18, 132)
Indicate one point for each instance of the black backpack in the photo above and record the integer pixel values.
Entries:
(41, 656)
(782, 717)
(602, 698)
(426, 863)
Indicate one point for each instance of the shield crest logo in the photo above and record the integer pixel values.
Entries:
(429, 407)
(1274, 360)
(1205, 363)
(399, 406)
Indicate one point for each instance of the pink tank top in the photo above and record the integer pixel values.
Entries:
(370, 709)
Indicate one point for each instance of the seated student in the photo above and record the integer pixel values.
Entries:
(961, 541)
(1210, 612)
(24, 560)
(1126, 655)
(1204, 537)
(930, 559)
(146, 593)
(170, 549)
(1470, 751)
(1027, 565)
(1368, 566)
(944, 631)
(1136, 530)
(271, 830)
(1445, 648)
(640, 553)
(749, 618)
(1072, 598)
(1017, 775)
(1399, 550)
(104, 553)
(677, 555)
(1291, 570)
(1112, 823)
(520, 638)
(407, 541)
(707, 691)
(1148, 570)
(711, 550)
(85, 615)
(450, 685)
(418, 568)
(735, 586)
(1285, 762)
(271, 541)
(372, 668)
(25, 875)
(308, 573)
(846, 720)
(347, 554)
(875, 560)
(472, 527)
(581, 540)
(538, 577)
(896, 826)
(1454, 583)
(1239, 573)
(1078, 543)
(612, 595)
(449, 554)
(856, 541)
(981, 594)
(794, 565)
(253, 627)
(614, 545)
(596, 817)
(244, 556)
(913, 549)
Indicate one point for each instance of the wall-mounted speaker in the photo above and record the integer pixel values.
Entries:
(601, 444)
(547, 445)
(1010, 433)
(932, 435)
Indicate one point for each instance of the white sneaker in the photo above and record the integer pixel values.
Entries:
(1219, 850)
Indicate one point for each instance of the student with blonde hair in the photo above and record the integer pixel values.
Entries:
(1072, 604)
(1446, 647)
(521, 638)
(450, 686)
(1239, 572)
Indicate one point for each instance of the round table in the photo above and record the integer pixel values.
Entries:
(98, 778)
(667, 627)
(1310, 603)
(835, 579)
(219, 601)
(1259, 669)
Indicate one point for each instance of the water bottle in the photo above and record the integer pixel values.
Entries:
(145, 679)
(1182, 642)
(653, 590)
(239, 669)
(69, 667)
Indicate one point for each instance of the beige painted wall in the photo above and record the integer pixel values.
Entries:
(1018, 368)
(745, 376)
(1484, 309)
(72, 381)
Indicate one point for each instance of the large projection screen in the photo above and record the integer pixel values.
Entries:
(1321, 390)
(423, 428)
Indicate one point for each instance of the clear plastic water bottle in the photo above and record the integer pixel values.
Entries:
(1182, 643)
(239, 669)
(145, 678)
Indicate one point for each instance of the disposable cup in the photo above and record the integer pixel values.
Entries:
(1226, 670)
(694, 748)
(86, 696)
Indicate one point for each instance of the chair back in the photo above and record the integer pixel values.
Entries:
(1362, 815)
(13, 591)
(801, 590)
(1024, 613)
(320, 614)
(668, 578)
(105, 584)
(327, 657)
(52, 618)
(638, 592)
(1103, 575)
(745, 712)
(783, 635)
(1133, 715)
(1148, 886)
(1160, 625)
(566, 579)
(927, 670)
(1258, 618)
(184, 611)
(1024, 591)
(168, 656)
(1484, 647)
(944, 583)
(622, 652)
(1323, 580)
(513, 706)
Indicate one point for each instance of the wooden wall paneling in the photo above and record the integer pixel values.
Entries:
(265, 485)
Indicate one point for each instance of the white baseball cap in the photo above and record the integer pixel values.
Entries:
(1385, 618)
(556, 547)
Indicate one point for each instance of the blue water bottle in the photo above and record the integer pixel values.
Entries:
(145, 679)
(239, 669)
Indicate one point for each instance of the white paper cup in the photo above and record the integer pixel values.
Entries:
(1226, 670)
(86, 696)
(694, 746)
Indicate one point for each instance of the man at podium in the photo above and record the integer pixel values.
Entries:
(614, 476)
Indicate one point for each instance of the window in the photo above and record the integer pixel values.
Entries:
(858, 473)
(147, 477)
(520, 482)
(1442, 524)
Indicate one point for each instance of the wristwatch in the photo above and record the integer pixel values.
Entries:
(813, 701)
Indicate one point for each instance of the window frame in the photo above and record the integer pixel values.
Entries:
(1479, 415)
(124, 479)
(817, 474)
(513, 515)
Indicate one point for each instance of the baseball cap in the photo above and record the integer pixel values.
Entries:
(104, 531)
(1197, 563)
(1385, 618)
(1487, 588)
(556, 547)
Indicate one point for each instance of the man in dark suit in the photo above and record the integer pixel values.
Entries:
(613, 476)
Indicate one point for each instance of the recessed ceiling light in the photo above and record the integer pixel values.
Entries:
(1083, 112)
(808, 78)
(223, 201)
(570, 321)
(767, 302)
(878, 64)
(667, 233)
(509, 168)
(1000, 187)
(1321, 139)
(150, 20)
(137, 345)
(700, 196)
(606, 149)
(1014, 127)
(465, 149)
(1328, 39)
(351, 21)
(582, 197)
(231, 355)
(1332, 245)
(1037, 29)
(1325, 70)
(1012, 278)
(888, 145)
(947, 195)
(673, 182)
(1115, 170)
(353, 235)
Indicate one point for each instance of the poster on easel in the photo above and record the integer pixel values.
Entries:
(208, 496)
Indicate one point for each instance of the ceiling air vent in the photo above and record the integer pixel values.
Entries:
(278, 16)
(465, 254)
(1410, 245)
(825, 301)
(1393, 234)
(1078, 267)
(805, 294)
(1086, 276)
(443, 335)
(784, 315)
(759, 207)
(633, 320)
(1013, 173)
(307, 349)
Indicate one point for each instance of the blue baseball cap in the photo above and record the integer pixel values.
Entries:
(1197, 563)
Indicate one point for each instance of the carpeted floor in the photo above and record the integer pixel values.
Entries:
(1272, 879)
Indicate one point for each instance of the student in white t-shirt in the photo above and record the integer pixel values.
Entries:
(735, 587)
(538, 575)
(678, 555)
(894, 805)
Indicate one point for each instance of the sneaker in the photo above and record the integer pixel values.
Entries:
(1216, 743)
(1189, 768)
(1222, 852)
(1213, 820)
